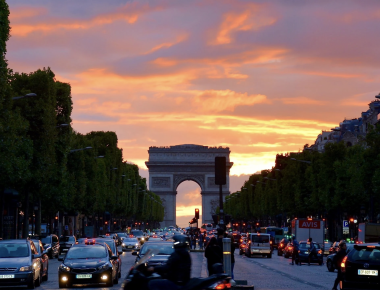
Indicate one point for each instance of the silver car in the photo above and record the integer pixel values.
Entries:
(130, 244)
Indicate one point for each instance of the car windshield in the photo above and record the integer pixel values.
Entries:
(366, 254)
(307, 245)
(134, 240)
(260, 239)
(66, 239)
(137, 233)
(14, 250)
(45, 240)
(90, 252)
(122, 234)
(163, 249)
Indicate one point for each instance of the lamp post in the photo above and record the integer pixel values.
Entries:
(25, 96)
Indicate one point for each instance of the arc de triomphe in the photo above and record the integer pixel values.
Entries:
(170, 166)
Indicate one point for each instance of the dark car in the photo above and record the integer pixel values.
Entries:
(19, 263)
(288, 251)
(44, 259)
(51, 245)
(112, 244)
(281, 246)
(66, 242)
(361, 267)
(115, 237)
(236, 236)
(334, 248)
(88, 264)
(330, 258)
(165, 249)
(138, 234)
(304, 251)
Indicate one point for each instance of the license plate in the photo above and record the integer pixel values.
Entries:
(130, 247)
(84, 276)
(255, 250)
(65, 250)
(368, 272)
(7, 276)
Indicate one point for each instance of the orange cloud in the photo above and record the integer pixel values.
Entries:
(129, 13)
(250, 19)
(302, 101)
(225, 100)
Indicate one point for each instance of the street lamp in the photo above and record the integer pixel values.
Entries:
(26, 96)
(299, 160)
(81, 149)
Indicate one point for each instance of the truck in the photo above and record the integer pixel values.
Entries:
(368, 233)
(303, 229)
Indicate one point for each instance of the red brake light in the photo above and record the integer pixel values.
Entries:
(270, 242)
(281, 245)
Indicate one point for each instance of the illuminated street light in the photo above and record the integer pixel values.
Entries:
(26, 96)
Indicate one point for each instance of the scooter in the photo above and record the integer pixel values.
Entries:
(138, 278)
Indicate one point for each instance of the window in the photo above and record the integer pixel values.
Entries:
(92, 252)
(14, 250)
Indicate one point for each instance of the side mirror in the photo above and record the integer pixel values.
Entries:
(135, 253)
(120, 252)
(36, 256)
(114, 257)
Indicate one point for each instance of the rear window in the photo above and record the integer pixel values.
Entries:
(307, 246)
(163, 249)
(67, 239)
(366, 254)
(137, 233)
(260, 239)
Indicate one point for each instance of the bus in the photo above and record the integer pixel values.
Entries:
(275, 232)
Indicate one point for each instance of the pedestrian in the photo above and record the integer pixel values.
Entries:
(337, 260)
(232, 255)
(200, 241)
(312, 251)
(213, 254)
(295, 254)
(194, 241)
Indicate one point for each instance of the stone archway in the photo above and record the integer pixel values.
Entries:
(170, 166)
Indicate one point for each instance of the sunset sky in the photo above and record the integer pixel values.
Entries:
(260, 77)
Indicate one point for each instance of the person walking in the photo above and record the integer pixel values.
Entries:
(338, 258)
(295, 254)
(232, 255)
(200, 241)
(194, 241)
(213, 254)
(312, 251)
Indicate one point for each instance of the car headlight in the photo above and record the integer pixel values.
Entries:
(64, 268)
(26, 268)
(123, 245)
(136, 244)
(104, 266)
(142, 239)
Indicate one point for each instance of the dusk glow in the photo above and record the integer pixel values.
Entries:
(259, 77)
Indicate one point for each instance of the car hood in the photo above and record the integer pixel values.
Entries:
(84, 263)
(15, 262)
(130, 243)
(159, 258)
(68, 244)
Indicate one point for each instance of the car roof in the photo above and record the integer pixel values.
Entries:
(14, 241)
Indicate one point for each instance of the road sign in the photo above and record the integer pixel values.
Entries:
(345, 224)
(66, 227)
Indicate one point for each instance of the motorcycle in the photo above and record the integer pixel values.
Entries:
(138, 277)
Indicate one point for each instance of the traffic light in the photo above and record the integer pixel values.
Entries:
(197, 213)
(220, 170)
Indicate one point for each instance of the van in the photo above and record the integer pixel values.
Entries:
(258, 244)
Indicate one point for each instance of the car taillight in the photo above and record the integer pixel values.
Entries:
(290, 248)
(343, 264)
(320, 252)
(270, 242)
(281, 245)
(222, 285)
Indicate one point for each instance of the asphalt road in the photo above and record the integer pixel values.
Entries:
(263, 273)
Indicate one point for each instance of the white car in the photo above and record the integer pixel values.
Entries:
(130, 244)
